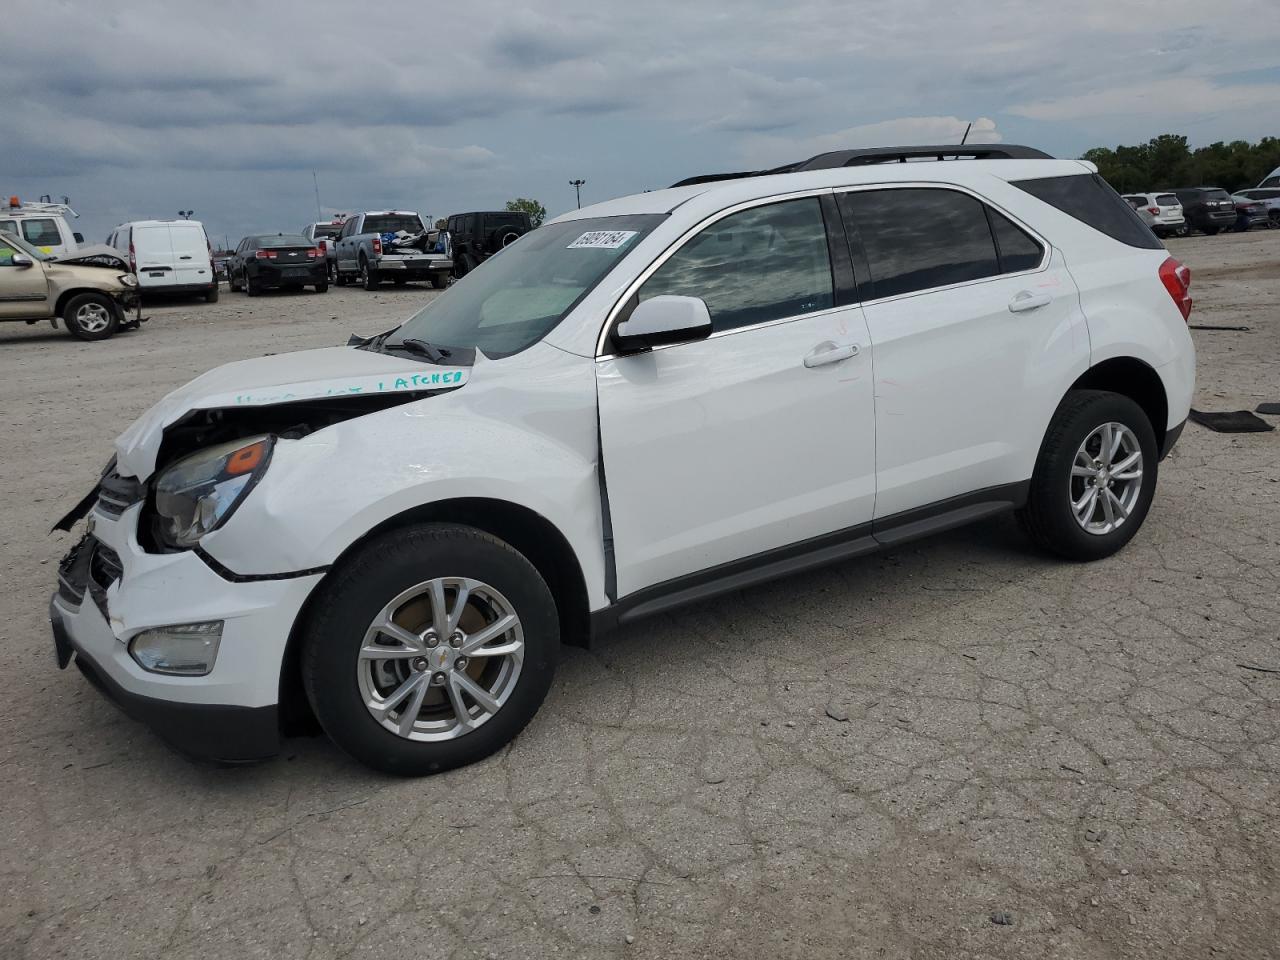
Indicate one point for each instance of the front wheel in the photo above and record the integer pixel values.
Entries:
(1095, 476)
(91, 316)
(431, 648)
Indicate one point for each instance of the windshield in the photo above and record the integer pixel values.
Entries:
(392, 223)
(514, 299)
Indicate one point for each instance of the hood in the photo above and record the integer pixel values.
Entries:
(329, 373)
(99, 255)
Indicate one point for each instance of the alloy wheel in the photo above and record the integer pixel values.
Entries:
(441, 659)
(93, 318)
(1106, 478)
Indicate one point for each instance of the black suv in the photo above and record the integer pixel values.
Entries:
(478, 236)
(1206, 208)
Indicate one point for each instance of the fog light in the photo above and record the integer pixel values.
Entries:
(185, 649)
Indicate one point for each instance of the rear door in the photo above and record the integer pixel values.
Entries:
(977, 332)
(734, 446)
(153, 253)
(191, 264)
(24, 291)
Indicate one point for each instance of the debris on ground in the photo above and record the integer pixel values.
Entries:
(1002, 918)
(1235, 421)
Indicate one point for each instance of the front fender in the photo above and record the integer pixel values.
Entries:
(534, 446)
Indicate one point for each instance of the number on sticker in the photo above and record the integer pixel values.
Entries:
(602, 239)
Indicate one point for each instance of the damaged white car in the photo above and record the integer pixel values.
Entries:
(641, 404)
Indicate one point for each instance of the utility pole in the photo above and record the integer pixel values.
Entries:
(185, 214)
(577, 190)
(316, 182)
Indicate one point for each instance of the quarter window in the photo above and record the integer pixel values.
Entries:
(765, 263)
(1018, 250)
(917, 238)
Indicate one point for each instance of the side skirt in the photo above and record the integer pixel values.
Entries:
(810, 554)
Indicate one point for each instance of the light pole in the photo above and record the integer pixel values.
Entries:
(577, 190)
(185, 214)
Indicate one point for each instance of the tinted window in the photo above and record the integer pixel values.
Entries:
(1018, 249)
(9, 226)
(392, 223)
(921, 238)
(43, 233)
(492, 220)
(1166, 200)
(284, 240)
(326, 230)
(1270, 182)
(1091, 200)
(762, 264)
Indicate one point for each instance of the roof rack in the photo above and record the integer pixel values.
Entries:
(870, 155)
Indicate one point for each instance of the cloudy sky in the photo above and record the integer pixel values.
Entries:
(139, 109)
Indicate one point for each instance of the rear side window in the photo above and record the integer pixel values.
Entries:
(41, 233)
(1018, 249)
(1091, 200)
(920, 238)
(761, 264)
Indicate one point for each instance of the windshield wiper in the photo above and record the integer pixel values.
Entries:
(423, 348)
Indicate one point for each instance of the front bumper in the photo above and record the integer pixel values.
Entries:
(110, 590)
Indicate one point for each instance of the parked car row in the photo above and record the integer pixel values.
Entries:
(1182, 211)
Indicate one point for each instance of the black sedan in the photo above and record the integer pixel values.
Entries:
(277, 260)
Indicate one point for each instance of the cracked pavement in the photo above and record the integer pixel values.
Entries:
(868, 761)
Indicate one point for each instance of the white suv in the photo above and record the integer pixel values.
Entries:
(638, 405)
(1162, 212)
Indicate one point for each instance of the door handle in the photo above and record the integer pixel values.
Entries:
(829, 352)
(184, 257)
(1025, 300)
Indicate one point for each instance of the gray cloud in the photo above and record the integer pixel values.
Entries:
(229, 107)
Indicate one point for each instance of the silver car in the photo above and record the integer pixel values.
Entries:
(1162, 212)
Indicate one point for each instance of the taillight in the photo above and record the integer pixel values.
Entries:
(377, 246)
(324, 245)
(265, 255)
(1154, 211)
(316, 252)
(1176, 278)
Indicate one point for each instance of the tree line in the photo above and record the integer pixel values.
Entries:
(1166, 162)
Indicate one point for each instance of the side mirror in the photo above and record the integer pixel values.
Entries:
(22, 260)
(78, 237)
(662, 320)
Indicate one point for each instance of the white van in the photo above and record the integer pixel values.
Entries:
(1272, 179)
(42, 225)
(169, 256)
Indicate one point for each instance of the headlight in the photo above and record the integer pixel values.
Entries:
(128, 279)
(198, 493)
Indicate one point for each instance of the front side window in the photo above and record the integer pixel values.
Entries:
(916, 238)
(765, 263)
(41, 232)
(9, 226)
(513, 300)
(6, 254)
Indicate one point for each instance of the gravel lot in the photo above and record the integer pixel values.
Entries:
(1082, 747)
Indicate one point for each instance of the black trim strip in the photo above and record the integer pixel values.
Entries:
(808, 554)
(230, 575)
(1170, 438)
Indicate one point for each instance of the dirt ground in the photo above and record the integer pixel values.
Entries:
(1092, 750)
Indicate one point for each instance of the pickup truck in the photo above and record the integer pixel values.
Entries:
(391, 245)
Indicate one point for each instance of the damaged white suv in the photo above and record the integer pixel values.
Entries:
(638, 405)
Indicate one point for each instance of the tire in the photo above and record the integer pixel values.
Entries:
(375, 582)
(91, 316)
(322, 287)
(368, 278)
(231, 282)
(1211, 231)
(1049, 516)
(331, 271)
(250, 288)
(211, 295)
(439, 280)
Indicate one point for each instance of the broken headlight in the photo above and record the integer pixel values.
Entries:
(198, 493)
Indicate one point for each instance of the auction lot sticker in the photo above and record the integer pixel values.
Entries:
(602, 240)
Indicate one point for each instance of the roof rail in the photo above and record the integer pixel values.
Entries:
(870, 155)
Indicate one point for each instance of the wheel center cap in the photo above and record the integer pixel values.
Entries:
(440, 657)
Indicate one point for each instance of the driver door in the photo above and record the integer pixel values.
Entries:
(24, 291)
(757, 438)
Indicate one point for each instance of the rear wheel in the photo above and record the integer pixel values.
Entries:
(91, 316)
(439, 280)
(211, 295)
(250, 287)
(432, 648)
(1094, 478)
(368, 277)
(1211, 231)
(231, 282)
(322, 287)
